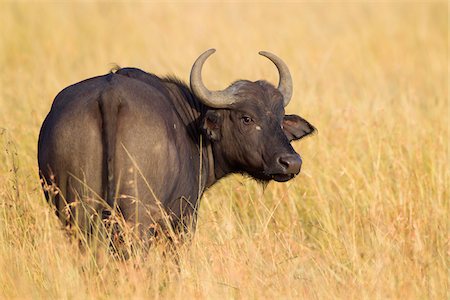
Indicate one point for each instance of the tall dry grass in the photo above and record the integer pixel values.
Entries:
(367, 218)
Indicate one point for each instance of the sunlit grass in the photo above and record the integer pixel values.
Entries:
(367, 218)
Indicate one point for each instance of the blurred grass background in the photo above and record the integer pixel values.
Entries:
(368, 216)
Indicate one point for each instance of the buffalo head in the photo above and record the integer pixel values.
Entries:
(247, 125)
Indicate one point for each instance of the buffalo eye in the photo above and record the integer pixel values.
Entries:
(246, 120)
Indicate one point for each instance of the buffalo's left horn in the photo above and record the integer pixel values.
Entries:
(285, 83)
(216, 99)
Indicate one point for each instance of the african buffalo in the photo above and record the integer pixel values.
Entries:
(150, 146)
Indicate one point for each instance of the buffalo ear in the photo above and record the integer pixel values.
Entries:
(295, 127)
(211, 125)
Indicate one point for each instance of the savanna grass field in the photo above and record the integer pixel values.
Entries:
(368, 217)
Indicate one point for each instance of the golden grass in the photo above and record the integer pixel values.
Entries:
(368, 217)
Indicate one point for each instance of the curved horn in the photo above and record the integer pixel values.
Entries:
(285, 83)
(216, 99)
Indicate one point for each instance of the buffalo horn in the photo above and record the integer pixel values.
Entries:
(215, 99)
(285, 83)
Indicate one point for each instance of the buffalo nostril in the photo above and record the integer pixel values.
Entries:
(291, 163)
(284, 162)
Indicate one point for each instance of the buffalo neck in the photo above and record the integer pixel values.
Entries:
(191, 112)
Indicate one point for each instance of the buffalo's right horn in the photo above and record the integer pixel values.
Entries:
(285, 83)
(215, 99)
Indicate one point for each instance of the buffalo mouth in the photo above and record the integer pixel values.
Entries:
(268, 176)
(282, 177)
